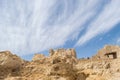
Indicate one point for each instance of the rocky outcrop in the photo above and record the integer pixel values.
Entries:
(9, 64)
(7, 59)
(61, 64)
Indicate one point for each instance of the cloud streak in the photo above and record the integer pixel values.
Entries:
(28, 26)
(105, 21)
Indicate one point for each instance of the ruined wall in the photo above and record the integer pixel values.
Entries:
(107, 49)
(63, 52)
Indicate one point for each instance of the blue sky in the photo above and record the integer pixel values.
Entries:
(35, 26)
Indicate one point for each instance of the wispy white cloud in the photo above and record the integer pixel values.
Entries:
(106, 20)
(118, 41)
(28, 26)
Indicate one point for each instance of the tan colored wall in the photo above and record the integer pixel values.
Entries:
(63, 52)
(107, 49)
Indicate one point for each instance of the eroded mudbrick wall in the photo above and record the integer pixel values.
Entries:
(107, 52)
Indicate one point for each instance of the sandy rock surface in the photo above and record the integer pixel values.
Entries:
(62, 64)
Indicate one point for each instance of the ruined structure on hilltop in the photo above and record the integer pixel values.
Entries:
(62, 64)
(108, 52)
(55, 56)
(63, 52)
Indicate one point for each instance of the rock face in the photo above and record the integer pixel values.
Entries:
(9, 64)
(61, 64)
(10, 61)
(62, 55)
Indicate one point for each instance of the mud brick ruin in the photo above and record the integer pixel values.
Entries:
(108, 52)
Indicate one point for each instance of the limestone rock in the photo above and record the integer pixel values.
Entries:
(7, 59)
(62, 64)
(10, 64)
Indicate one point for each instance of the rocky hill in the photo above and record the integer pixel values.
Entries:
(62, 64)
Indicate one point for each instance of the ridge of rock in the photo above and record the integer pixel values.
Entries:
(62, 64)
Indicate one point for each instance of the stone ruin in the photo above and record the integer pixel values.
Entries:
(62, 64)
(63, 55)
(63, 52)
(108, 52)
(55, 56)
